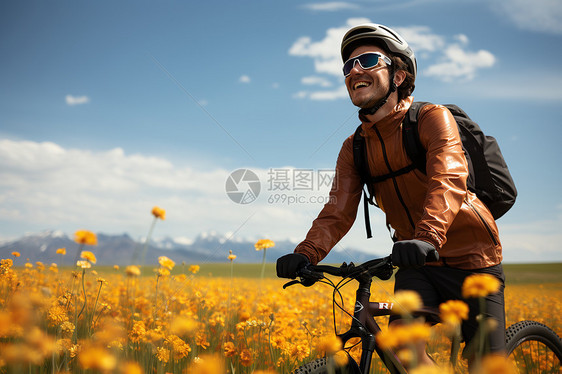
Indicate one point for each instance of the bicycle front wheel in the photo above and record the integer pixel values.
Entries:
(534, 347)
(320, 366)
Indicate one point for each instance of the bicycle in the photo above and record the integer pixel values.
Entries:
(532, 345)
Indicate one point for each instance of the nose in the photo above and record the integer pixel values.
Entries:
(357, 68)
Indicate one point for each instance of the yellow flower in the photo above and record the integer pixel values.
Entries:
(138, 331)
(132, 271)
(54, 268)
(67, 328)
(229, 349)
(453, 312)
(180, 348)
(97, 358)
(163, 354)
(7, 263)
(115, 267)
(131, 368)
(61, 251)
(264, 244)
(209, 364)
(83, 264)
(246, 357)
(159, 213)
(329, 344)
(201, 340)
(480, 285)
(16, 254)
(162, 272)
(430, 369)
(28, 265)
(194, 269)
(340, 358)
(183, 326)
(406, 302)
(166, 262)
(496, 364)
(40, 265)
(57, 315)
(85, 237)
(399, 334)
(231, 256)
(87, 255)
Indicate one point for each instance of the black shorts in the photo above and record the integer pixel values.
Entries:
(438, 284)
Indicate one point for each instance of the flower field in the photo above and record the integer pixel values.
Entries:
(179, 320)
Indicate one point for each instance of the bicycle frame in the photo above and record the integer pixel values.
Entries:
(363, 317)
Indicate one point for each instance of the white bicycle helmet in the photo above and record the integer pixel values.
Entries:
(361, 34)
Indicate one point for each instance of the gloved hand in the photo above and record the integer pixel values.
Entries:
(288, 265)
(412, 253)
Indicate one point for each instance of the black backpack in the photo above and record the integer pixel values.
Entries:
(489, 177)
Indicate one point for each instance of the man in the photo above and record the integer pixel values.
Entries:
(428, 212)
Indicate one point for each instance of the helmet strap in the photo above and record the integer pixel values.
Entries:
(372, 110)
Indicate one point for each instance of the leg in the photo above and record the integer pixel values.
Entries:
(416, 280)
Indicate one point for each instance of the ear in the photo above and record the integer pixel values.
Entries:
(399, 77)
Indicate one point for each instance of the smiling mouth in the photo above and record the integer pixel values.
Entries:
(361, 84)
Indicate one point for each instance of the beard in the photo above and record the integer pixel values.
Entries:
(371, 96)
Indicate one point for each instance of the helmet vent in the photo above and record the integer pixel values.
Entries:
(359, 31)
(397, 37)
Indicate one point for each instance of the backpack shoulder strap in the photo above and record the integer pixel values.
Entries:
(360, 160)
(411, 137)
(359, 155)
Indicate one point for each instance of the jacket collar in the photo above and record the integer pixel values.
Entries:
(389, 121)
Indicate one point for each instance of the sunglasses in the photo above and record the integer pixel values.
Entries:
(366, 61)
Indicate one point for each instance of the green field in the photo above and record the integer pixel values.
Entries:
(515, 273)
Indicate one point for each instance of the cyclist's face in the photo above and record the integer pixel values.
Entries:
(367, 87)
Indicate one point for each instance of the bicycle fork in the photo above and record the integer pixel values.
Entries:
(363, 326)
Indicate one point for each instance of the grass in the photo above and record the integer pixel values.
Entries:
(533, 273)
(515, 273)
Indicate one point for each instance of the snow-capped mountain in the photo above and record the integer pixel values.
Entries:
(124, 250)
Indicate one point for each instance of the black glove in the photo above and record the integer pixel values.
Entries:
(288, 265)
(413, 253)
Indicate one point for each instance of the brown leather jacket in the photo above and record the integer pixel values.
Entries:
(436, 207)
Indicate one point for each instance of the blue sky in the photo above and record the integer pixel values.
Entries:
(109, 108)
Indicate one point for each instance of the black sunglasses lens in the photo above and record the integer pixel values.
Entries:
(367, 61)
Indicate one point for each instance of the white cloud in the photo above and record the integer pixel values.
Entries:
(244, 79)
(447, 58)
(540, 15)
(326, 52)
(460, 64)
(316, 81)
(46, 186)
(330, 6)
(421, 39)
(326, 95)
(76, 100)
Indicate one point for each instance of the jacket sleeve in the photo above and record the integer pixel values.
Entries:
(338, 214)
(446, 170)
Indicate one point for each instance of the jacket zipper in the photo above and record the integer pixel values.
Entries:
(488, 228)
(400, 198)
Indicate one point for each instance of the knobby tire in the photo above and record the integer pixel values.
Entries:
(534, 347)
(320, 366)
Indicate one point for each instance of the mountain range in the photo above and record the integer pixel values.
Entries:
(124, 250)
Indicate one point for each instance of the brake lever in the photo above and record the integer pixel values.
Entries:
(291, 283)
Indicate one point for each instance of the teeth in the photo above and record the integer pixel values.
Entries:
(361, 84)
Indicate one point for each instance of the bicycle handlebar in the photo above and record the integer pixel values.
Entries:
(381, 268)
